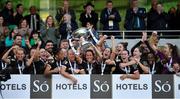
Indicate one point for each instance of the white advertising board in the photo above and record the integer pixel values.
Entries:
(176, 87)
(64, 88)
(128, 88)
(18, 87)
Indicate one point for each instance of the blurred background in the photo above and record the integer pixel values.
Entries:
(48, 7)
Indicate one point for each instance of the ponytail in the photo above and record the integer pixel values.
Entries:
(174, 49)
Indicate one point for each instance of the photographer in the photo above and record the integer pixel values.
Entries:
(4, 73)
(3, 65)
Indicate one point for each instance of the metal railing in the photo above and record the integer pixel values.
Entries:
(138, 33)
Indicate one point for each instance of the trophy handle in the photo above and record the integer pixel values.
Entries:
(72, 47)
(94, 38)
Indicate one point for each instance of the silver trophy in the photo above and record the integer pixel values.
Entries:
(86, 36)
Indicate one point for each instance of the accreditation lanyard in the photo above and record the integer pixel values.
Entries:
(21, 67)
(127, 69)
(94, 38)
(72, 69)
(153, 69)
(4, 65)
(117, 59)
(59, 65)
(89, 68)
(169, 65)
(34, 68)
(103, 66)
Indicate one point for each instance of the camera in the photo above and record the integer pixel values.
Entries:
(5, 75)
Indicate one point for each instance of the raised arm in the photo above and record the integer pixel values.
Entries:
(35, 55)
(113, 54)
(101, 41)
(127, 64)
(5, 56)
(98, 52)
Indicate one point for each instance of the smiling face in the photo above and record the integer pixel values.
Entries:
(119, 47)
(49, 21)
(49, 47)
(176, 67)
(89, 56)
(18, 40)
(71, 55)
(124, 55)
(20, 54)
(43, 53)
(64, 45)
(106, 53)
(136, 52)
(23, 23)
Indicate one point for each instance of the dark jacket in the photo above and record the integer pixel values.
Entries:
(149, 22)
(105, 19)
(63, 29)
(93, 18)
(28, 18)
(132, 20)
(178, 19)
(60, 13)
(158, 21)
(8, 16)
(17, 18)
